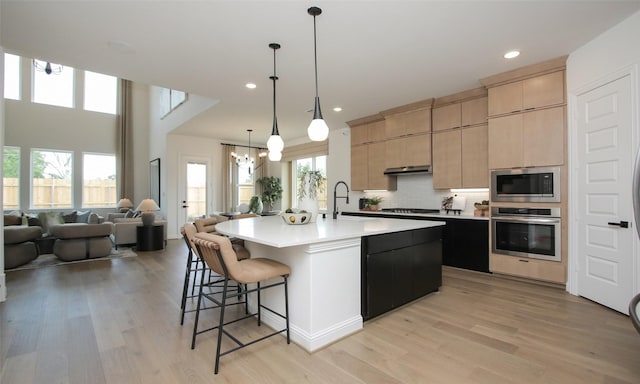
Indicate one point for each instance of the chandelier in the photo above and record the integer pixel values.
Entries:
(247, 160)
(47, 67)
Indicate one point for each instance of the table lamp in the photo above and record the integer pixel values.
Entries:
(148, 208)
(124, 205)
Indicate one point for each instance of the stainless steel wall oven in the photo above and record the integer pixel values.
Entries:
(527, 232)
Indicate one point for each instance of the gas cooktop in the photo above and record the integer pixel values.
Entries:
(410, 210)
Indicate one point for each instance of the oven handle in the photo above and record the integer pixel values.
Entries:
(520, 219)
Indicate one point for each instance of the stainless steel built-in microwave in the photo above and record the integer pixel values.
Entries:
(539, 185)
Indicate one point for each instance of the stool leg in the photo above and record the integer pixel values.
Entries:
(221, 324)
(259, 318)
(195, 324)
(185, 289)
(286, 307)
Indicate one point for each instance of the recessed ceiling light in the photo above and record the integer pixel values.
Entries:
(511, 54)
(337, 109)
(250, 85)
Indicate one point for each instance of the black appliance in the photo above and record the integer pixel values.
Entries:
(540, 185)
(527, 232)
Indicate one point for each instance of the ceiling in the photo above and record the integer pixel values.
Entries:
(372, 55)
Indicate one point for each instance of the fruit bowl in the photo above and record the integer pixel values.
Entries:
(296, 218)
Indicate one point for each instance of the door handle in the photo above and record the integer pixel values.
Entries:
(622, 224)
(185, 206)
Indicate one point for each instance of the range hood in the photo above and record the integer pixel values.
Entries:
(408, 170)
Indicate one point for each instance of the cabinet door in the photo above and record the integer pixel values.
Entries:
(359, 135)
(394, 153)
(505, 142)
(474, 112)
(544, 90)
(475, 157)
(447, 117)
(417, 149)
(447, 159)
(408, 123)
(543, 137)
(377, 165)
(505, 98)
(376, 131)
(359, 167)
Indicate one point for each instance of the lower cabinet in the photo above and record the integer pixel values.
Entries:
(543, 270)
(398, 268)
(466, 244)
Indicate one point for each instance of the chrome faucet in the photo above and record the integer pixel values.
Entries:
(335, 208)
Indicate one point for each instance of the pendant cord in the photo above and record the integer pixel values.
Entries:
(315, 53)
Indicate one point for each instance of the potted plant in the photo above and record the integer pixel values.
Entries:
(271, 190)
(373, 203)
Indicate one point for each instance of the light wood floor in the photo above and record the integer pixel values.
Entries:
(118, 322)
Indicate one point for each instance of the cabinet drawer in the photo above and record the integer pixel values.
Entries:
(550, 271)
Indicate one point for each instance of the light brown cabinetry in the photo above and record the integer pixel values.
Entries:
(367, 155)
(543, 270)
(408, 151)
(404, 121)
(536, 92)
(460, 141)
(534, 138)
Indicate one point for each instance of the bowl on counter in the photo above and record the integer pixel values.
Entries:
(296, 218)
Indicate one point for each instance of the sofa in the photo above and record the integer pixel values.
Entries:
(124, 228)
(78, 241)
(19, 242)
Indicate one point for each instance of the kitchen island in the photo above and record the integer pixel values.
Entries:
(325, 259)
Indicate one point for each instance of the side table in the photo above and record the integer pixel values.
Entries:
(150, 238)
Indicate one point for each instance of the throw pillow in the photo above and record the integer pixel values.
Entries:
(33, 221)
(70, 217)
(49, 219)
(12, 220)
(83, 216)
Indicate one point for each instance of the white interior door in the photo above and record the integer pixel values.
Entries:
(604, 154)
(195, 189)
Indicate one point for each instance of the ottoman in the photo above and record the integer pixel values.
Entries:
(19, 245)
(78, 241)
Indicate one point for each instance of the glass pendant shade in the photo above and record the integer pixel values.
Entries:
(275, 144)
(275, 155)
(318, 129)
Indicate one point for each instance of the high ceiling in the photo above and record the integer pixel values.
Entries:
(372, 55)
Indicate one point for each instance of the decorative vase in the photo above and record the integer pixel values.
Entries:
(309, 197)
(310, 205)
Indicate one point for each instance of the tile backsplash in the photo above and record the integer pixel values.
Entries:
(416, 191)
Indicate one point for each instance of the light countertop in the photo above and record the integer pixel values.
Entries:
(272, 230)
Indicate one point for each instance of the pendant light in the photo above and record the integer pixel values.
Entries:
(318, 129)
(275, 143)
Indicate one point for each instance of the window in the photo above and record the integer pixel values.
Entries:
(98, 180)
(245, 180)
(100, 92)
(11, 76)
(11, 178)
(53, 89)
(51, 179)
(301, 166)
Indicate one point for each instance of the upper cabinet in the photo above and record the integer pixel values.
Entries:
(460, 140)
(527, 116)
(367, 155)
(536, 92)
(411, 119)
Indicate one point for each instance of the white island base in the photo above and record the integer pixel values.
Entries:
(325, 261)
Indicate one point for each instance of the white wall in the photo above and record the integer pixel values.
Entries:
(616, 50)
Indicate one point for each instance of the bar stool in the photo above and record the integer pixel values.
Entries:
(219, 255)
(188, 231)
